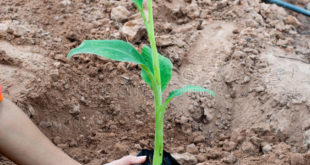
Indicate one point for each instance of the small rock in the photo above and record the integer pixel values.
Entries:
(96, 161)
(222, 4)
(307, 138)
(54, 74)
(183, 120)
(213, 153)
(229, 159)
(307, 157)
(229, 145)
(192, 149)
(297, 159)
(248, 148)
(138, 146)
(73, 143)
(237, 136)
(121, 66)
(199, 139)
(179, 149)
(204, 14)
(120, 14)
(306, 125)
(267, 148)
(18, 30)
(57, 140)
(207, 113)
(229, 78)
(259, 89)
(237, 55)
(164, 41)
(205, 163)
(4, 25)
(192, 10)
(61, 57)
(255, 140)
(31, 112)
(75, 110)
(308, 6)
(62, 146)
(246, 79)
(291, 20)
(133, 30)
(45, 124)
(186, 158)
(66, 3)
(201, 157)
(122, 149)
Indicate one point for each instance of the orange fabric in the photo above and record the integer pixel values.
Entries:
(1, 96)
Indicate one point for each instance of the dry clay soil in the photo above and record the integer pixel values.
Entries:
(255, 56)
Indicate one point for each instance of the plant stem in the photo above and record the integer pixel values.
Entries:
(159, 138)
(151, 35)
(159, 130)
(159, 110)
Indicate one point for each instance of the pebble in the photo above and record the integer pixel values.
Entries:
(248, 148)
(62, 146)
(222, 4)
(267, 148)
(307, 138)
(121, 149)
(192, 148)
(18, 30)
(213, 153)
(133, 30)
(57, 140)
(297, 159)
(185, 158)
(119, 14)
(209, 116)
(306, 125)
(179, 149)
(201, 157)
(75, 110)
(54, 74)
(192, 10)
(229, 145)
(246, 79)
(66, 3)
(308, 6)
(229, 159)
(291, 20)
(31, 112)
(73, 143)
(199, 139)
(164, 41)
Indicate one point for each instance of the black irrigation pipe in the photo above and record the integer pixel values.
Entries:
(290, 6)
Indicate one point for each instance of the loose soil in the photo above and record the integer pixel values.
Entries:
(255, 56)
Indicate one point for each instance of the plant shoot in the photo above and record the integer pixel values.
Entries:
(156, 70)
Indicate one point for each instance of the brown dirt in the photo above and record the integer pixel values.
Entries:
(255, 56)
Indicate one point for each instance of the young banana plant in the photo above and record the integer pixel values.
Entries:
(156, 70)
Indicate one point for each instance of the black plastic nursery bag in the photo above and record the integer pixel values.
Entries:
(167, 159)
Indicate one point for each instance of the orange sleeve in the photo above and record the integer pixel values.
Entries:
(1, 96)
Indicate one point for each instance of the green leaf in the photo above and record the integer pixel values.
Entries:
(188, 88)
(164, 64)
(117, 50)
(179, 92)
(139, 4)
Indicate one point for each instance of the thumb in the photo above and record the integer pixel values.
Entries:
(136, 159)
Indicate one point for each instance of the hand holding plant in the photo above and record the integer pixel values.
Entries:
(156, 70)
